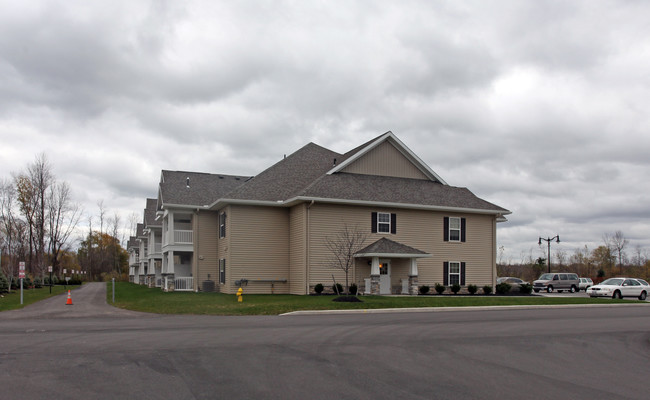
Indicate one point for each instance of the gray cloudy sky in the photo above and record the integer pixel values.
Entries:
(538, 106)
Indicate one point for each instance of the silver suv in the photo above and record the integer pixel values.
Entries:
(557, 281)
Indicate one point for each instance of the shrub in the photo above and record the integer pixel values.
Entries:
(526, 288)
(472, 289)
(439, 288)
(503, 288)
(353, 288)
(337, 288)
(455, 288)
(37, 283)
(319, 288)
(424, 289)
(487, 289)
(4, 283)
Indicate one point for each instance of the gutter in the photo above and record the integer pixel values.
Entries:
(298, 199)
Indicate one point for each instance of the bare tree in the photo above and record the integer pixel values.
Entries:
(343, 247)
(619, 242)
(63, 219)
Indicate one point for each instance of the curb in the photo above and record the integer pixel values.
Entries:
(451, 309)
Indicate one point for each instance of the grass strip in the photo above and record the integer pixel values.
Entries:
(140, 298)
(11, 301)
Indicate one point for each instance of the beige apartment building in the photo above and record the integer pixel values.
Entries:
(269, 233)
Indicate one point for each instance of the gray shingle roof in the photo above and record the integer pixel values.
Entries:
(289, 177)
(150, 213)
(196, 188)
(387, 189)
(387, 246)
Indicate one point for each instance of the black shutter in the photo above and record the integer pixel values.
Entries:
(373, 228)
(393, 223)
(462, 274)
(445, 271)
(463, 225)
(446, 229)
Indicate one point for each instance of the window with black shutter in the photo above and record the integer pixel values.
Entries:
(453, 272)
(222, 225)
(222, 270)
(383, 222)
(454, 229)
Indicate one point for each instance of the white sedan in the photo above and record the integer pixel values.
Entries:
(617, 288)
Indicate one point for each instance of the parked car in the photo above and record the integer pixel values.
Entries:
(585, 283)
(617, 288)
(514, 283)
(557, 281)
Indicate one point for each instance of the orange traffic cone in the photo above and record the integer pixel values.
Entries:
(69, 302)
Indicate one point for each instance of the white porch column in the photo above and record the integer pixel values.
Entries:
(374, 269)
(413, 277)
(374, 276)
(414, 267)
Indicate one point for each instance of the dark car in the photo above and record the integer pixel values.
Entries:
(514, 283)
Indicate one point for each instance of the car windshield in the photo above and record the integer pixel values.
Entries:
(613, 282)
(546, 277)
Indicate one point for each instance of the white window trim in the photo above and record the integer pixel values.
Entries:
(222, 226)
(388, 224)
(459, 229)
(222, 265)
(450, 274)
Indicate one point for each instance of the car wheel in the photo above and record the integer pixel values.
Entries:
(573, 289)
(642, 296)
(617, 295)
(549, 289)
(536, 290)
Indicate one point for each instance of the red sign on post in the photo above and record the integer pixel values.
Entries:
(21, 270)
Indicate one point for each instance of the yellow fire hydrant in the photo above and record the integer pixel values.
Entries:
(239, 295)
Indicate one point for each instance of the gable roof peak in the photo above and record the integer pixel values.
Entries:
(357, 153)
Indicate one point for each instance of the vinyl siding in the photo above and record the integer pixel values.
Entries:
(385, 160)
(422, 230)
(298, 249)
(258, 248)
(205, 259)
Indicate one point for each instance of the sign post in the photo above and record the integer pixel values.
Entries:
(49, 269)
(21, 275)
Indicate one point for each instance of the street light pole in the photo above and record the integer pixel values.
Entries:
(548, 241)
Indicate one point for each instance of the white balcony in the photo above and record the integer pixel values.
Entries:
(183, 237)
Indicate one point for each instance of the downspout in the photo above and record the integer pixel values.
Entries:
(195, 256)
(307, 271)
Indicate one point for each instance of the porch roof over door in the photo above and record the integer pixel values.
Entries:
(391, 249)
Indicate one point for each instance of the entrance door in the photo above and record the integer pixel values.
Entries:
(384, 277)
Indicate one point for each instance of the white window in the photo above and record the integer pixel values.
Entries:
(454, 229)
(222, 270)
(383, 222)
(222, 225)
(454, 273)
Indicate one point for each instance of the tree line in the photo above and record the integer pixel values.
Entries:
(612, 258)
(39, 223)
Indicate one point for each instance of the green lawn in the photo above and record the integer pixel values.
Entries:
(140, 298)
(11, 301)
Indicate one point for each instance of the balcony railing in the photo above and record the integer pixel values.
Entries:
(182, 237)
(157, 248)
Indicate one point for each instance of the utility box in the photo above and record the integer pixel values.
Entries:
(207, 286)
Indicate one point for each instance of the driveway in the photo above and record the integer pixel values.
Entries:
(91, 350)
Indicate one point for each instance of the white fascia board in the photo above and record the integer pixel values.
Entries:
(295, 200)
(392, 255)
(172, 207)
(223, 202)
(397, 205)
(401, 147)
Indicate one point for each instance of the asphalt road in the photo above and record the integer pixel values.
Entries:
(93, 351)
